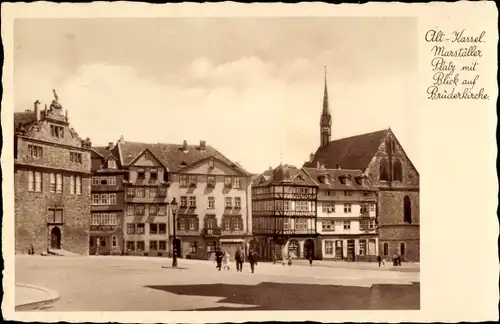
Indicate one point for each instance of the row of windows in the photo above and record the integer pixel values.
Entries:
(190, 201)
(329, 207)
(192, 180)
(283, 205)
(57, 131)
(103, 181)
(397, 170)
(140, 246)
(104, 199)
(366, 247)
(299, 224)
(140, 228)
(282, 189)
(151, 209)
(402, 249)
(329, 225)
(35, 151)
(104, 219)
(143, 192)
(55, 183)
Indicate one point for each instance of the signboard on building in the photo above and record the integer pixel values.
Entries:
(103, 228)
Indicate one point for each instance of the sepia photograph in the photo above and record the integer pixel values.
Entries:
(210, 164)
(229, 163)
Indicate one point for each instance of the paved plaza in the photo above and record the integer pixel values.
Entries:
(109, 283)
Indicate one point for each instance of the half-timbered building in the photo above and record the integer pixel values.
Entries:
(284, 213)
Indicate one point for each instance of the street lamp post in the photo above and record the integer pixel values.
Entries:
(173, 207)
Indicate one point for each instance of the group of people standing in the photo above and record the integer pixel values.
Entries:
(223, 259)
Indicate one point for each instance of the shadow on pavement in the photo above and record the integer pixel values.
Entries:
(288, 296)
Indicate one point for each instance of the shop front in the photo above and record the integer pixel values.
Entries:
(105, 240)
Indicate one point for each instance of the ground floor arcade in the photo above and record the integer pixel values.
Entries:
(348, 248)
(295, 246)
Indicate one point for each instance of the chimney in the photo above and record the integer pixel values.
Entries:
(37, 112)
(311, 158)
(110, 145)
(121, 140)
(203, 145)
(185, 146)
(318, 165)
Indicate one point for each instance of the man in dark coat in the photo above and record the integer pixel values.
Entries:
(252, 259)
(218, 258)
(239, 257)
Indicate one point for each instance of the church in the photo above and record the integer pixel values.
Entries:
(382, 159)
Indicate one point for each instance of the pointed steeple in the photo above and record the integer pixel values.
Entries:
(326, 119)
(325, 97)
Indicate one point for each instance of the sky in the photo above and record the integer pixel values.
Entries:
(250, 87)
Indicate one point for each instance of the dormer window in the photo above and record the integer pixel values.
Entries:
(321, 179)
(359, 181)
(342, 179)
(211, 164)
(111, 164)
(328, 179)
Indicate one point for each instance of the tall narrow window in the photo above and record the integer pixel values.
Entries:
(384, 170)
(72, 182)
(78, 185)
(386, 249)
(38, 181)
(52, 182)
(402, 249)
(407, 209)
(31, 181)
(397, 171)
(59, 183)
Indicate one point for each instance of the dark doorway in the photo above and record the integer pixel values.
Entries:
(350, 250)
(309, 249)
(339, 250)
(55, 238)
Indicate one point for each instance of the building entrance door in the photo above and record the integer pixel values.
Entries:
(339, 250)
(308, 249)
(350, 250)
(55, 238)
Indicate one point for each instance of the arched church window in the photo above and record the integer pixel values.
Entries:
(397, 170)
(384, 170)
(407, 210)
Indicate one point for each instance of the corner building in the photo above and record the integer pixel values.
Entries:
(346, 216)
(52, 182)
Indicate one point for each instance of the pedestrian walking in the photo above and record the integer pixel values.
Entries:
(218, 258)
(98, 242)
(252, 259)
(289, 260)
(284, 258)
(239, 257)
(380, 260)
(226, 260)
(274, 258)
(310, 260)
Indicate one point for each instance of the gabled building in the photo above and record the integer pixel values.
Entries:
(346, 215)
(284, 213)
(212, 191)
(52, 182)
(108, 195)
(380, 157)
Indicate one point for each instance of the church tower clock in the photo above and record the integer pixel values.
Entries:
(326, 119)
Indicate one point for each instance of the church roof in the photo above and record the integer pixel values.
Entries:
(336, 179)
(353, 152)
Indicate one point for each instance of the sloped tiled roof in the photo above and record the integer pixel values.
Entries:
(105, 152)
(353, 153)
(284, 174)
(335, 175)
(171, 156)
(23, 119)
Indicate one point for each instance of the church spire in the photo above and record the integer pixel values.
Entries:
(325, 97)
(326, 118)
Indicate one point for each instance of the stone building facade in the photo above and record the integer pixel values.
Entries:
(108, 195)
(52, 182)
